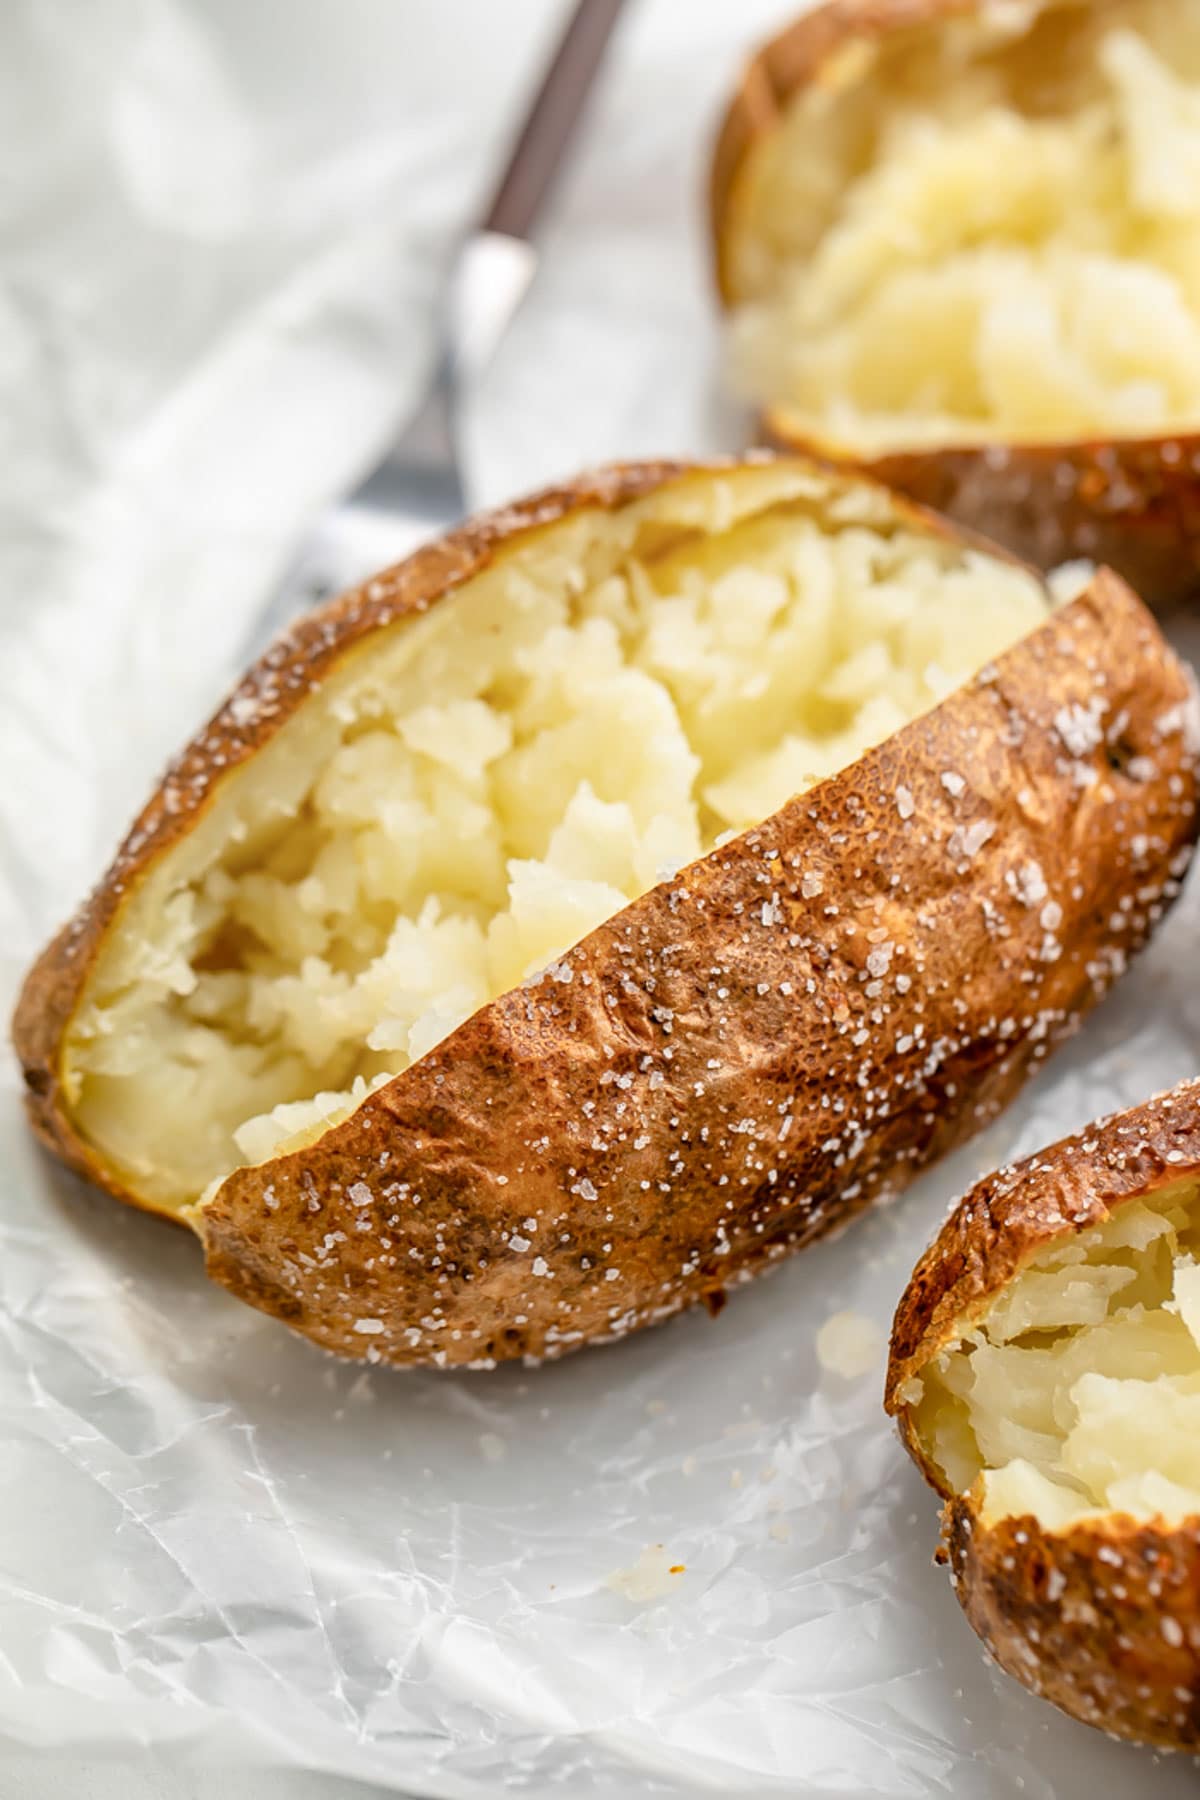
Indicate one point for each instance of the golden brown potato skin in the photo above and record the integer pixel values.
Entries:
(669, 1118)
(1132, 503)
(1102, 1618)
(742, 1059)
(1082, 1617)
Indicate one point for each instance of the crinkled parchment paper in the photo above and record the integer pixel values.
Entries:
(693, 1562)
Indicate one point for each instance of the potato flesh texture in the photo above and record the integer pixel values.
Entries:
(1004, 255)
(487, 784)
(1079, 1391)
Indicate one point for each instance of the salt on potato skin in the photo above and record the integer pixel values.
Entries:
(1112, 475)
(1100, 1612)
(490, 784)
(675, 1121)
(743, 1058)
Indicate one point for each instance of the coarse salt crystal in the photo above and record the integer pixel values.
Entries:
(1079, 727)
(1027, 884)
(880, 958)
(966, 841)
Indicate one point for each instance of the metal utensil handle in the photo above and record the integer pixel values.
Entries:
(538, 154)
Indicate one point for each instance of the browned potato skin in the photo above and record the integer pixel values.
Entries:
(1132, 503)
(636, 1112)
(495, 1113)
(1102, 1618)
(1078, 1616)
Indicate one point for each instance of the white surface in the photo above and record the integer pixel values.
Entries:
(215, 268)
(26, 1776)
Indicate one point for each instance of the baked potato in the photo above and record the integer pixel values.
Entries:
(616, 896)
(960, 240)
(1045, 1371)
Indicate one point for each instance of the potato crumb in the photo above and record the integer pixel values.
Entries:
(651, 1577)
(1070, 579)
(850, 1345)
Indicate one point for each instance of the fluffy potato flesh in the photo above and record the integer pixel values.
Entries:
(473, 790)
(1079, 1391)
(992, 234)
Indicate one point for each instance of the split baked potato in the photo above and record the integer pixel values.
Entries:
(961, 244)
(614, 897)
(1045, 1370)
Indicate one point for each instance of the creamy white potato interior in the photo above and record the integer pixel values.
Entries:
(473, 790)
(994, 236)
(1079, 1391)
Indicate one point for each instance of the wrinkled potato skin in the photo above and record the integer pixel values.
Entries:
(1102, 1618)
(671, 1118)
(1132, 503)
(490, 1130)
(1079, 1616)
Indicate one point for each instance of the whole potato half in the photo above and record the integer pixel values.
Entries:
(960, 242)
(1045, 1373)
(615, 897)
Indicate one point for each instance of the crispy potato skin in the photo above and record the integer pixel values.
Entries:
(1103, 1617)
(739, 1061)
(669, 1118)
(1082, 1617)
(1132, 503)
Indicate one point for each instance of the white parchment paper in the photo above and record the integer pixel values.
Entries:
(219, 241)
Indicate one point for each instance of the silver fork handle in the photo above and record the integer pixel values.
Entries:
(495, 264)
(490, 276)
(419, 479)
(492, 272)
